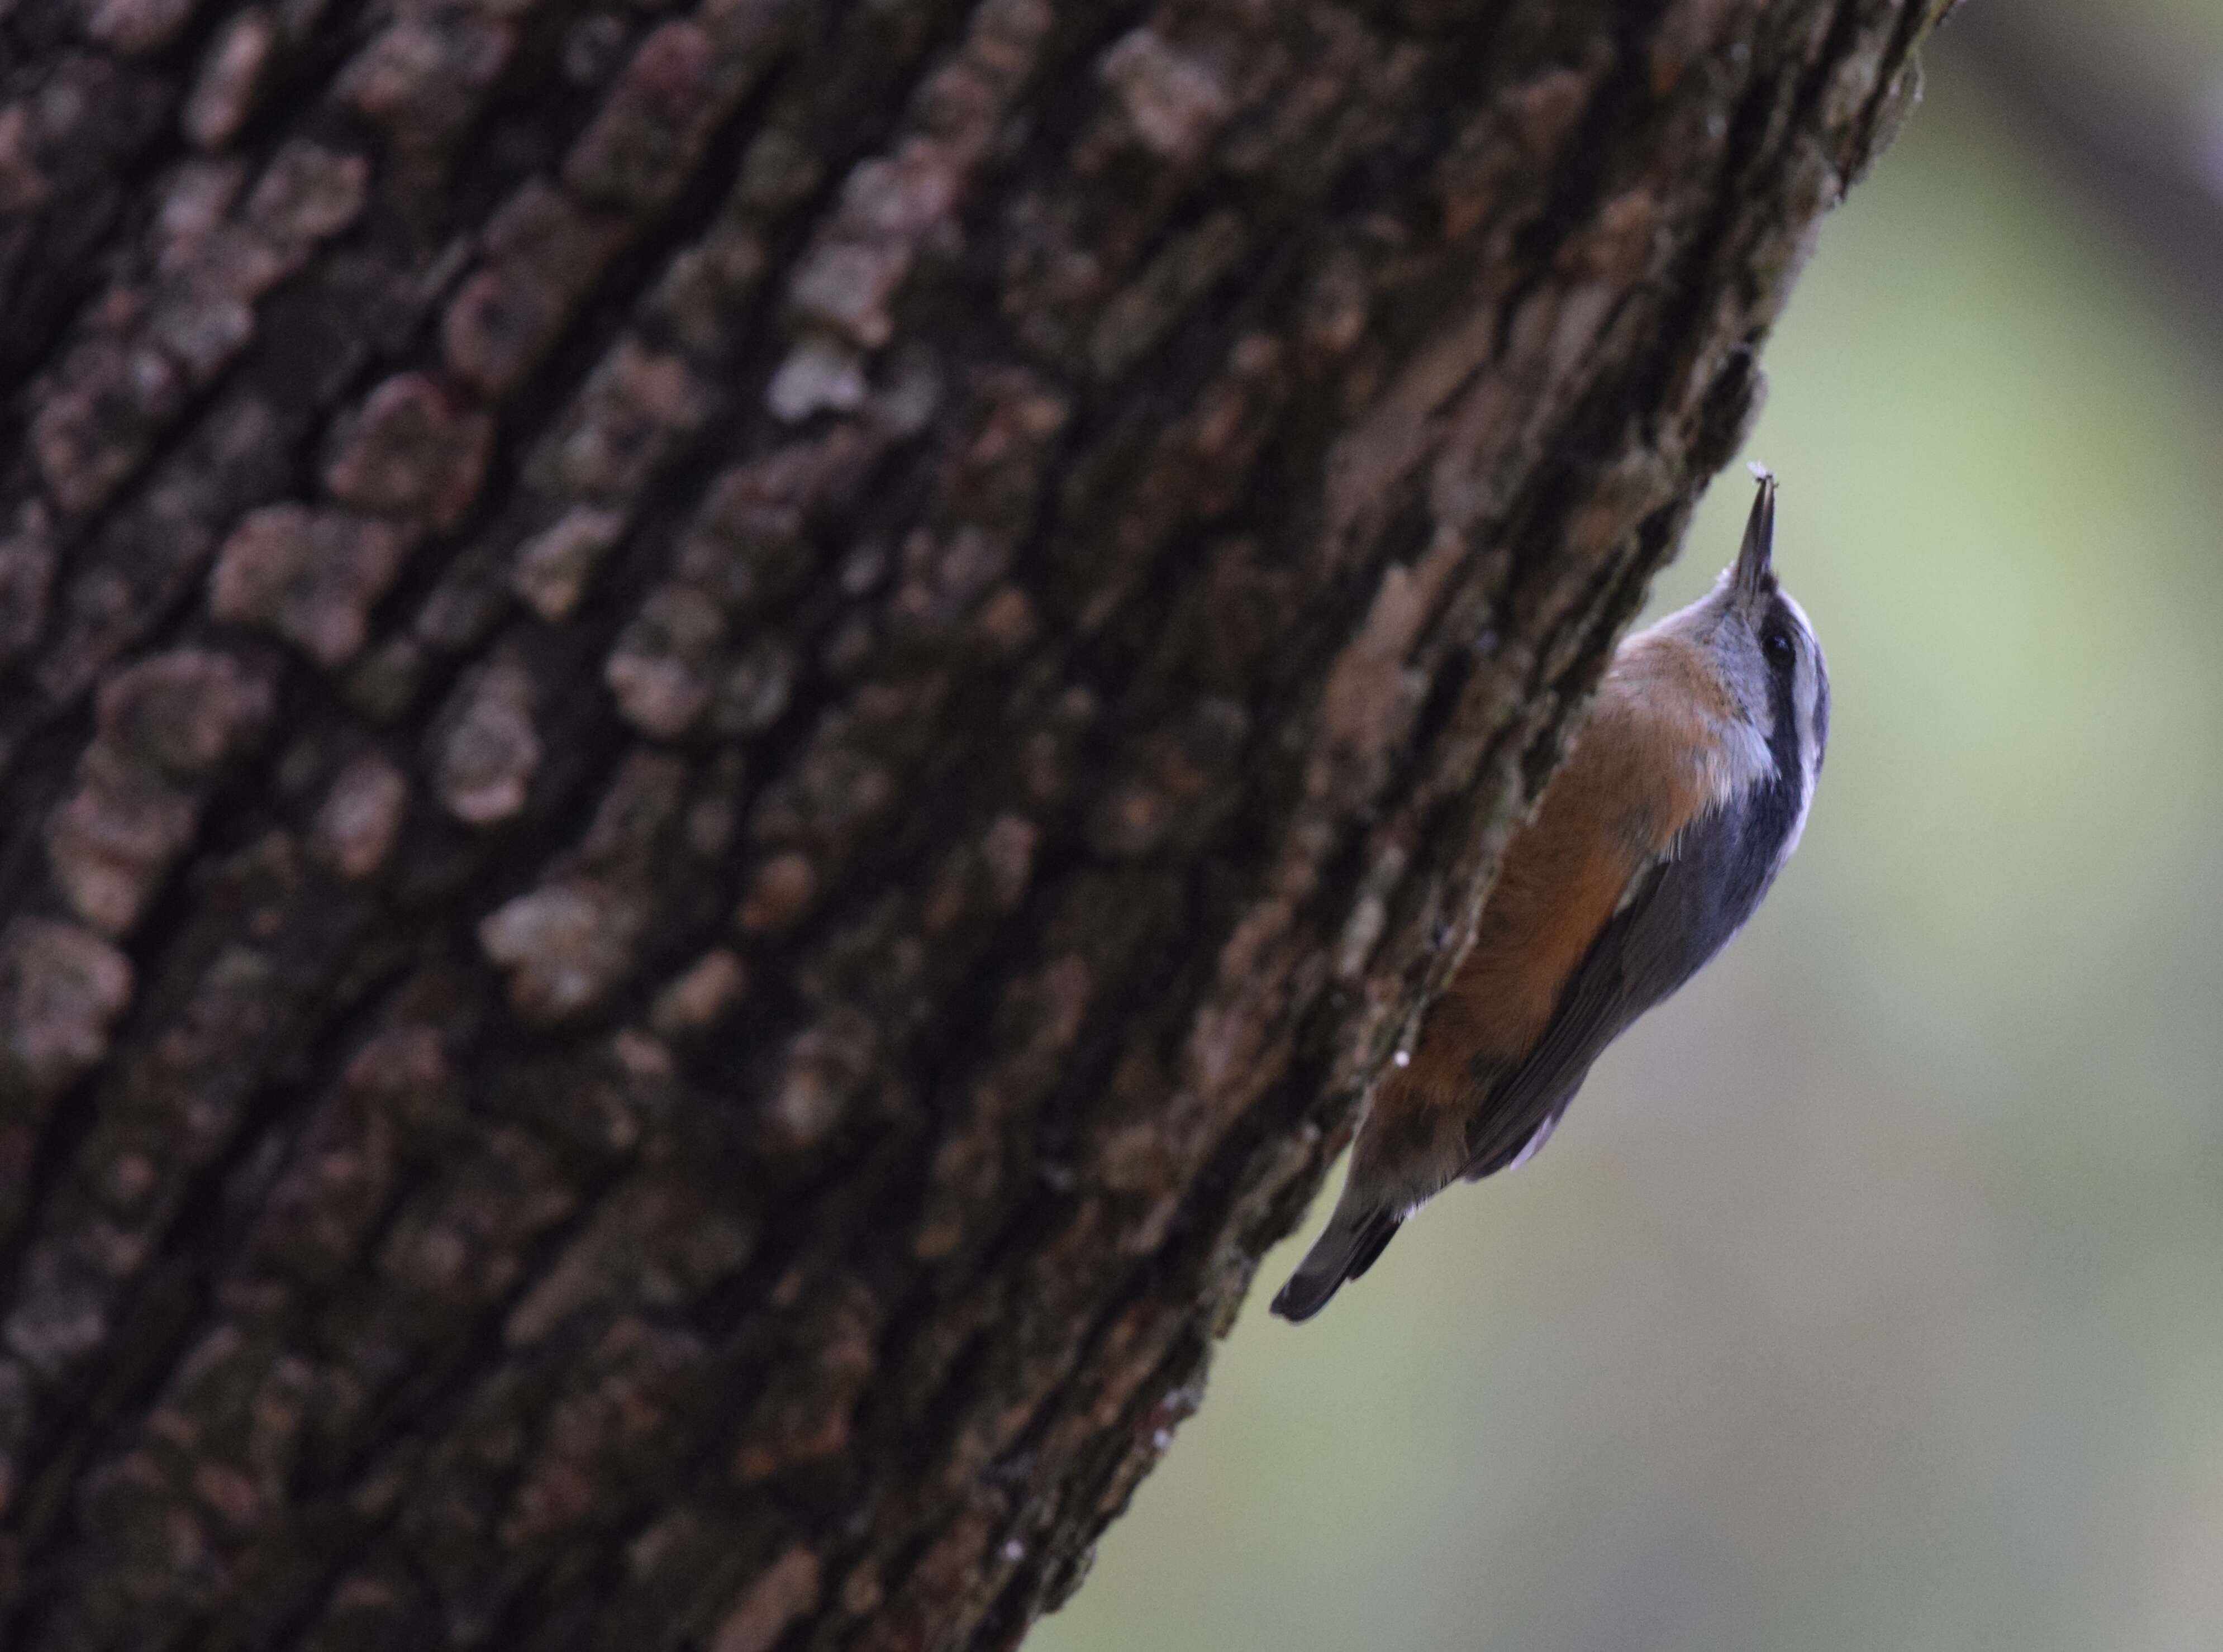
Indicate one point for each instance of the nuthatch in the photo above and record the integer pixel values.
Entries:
(1685, 793)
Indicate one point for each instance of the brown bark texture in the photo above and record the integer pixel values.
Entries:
(727, 733)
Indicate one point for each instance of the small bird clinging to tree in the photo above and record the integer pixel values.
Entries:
(1685, 793)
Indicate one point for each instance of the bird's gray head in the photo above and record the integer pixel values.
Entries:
(1769, 660)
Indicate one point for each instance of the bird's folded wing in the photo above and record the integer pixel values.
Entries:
(1680, 912)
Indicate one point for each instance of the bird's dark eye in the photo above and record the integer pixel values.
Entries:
(1778, 645)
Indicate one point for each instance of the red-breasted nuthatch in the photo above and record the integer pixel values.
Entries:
(1685, 794)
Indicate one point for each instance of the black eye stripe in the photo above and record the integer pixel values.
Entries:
(1778, 632)
(1779, 648)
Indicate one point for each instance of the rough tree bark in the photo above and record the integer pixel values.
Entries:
(728, 735)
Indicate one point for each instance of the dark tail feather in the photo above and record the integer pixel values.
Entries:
(1343, 1253)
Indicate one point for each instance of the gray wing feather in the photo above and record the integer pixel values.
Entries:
(1680, 914)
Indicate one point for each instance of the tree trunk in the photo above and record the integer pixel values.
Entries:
(728, 739)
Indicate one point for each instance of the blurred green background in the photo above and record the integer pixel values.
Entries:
(1872, 1296)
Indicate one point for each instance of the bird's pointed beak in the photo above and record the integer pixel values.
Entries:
(1755, 563)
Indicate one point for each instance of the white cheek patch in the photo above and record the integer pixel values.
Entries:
(1805, 703)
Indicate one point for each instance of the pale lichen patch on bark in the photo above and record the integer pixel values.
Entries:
(699, 997)
(61, 988)
(662, 670)
(564, 946)
(361, 817)
(554, 565)
(410, 450)
(487, 752)
(166, 727)
(224, 90)
(311, 576)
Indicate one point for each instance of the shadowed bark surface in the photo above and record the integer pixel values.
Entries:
(727, 734)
